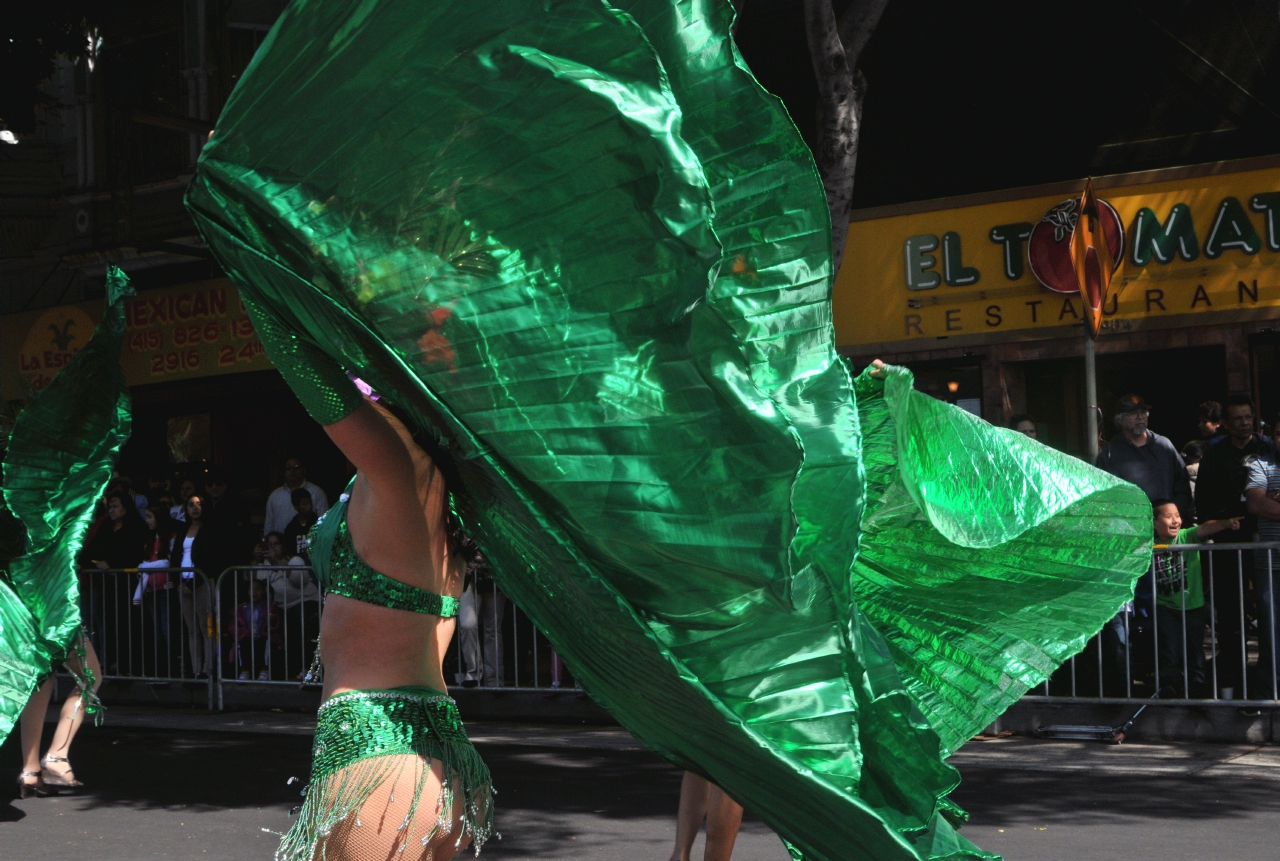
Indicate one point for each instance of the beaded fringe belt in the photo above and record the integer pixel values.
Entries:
(356, 734)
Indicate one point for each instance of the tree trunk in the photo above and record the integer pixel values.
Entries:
(834, 48)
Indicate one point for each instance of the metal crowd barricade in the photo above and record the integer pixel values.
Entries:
(286, 612)
(143, 624)
(495, 645)
(1145, 661)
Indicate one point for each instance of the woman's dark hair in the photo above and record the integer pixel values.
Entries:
(1196, 448)
(1019, 418)
(164, 523)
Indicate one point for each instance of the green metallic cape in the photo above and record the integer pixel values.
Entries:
(57, 465)
(578, 243)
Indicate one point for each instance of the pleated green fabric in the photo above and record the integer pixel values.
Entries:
(577, 243)
(987, 558)
(56, 467)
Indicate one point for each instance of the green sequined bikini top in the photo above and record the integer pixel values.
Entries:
(343, 572)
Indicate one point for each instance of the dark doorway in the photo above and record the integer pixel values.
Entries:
(1264, 363)
(254, 424)
(958, 383)
(1174, 382)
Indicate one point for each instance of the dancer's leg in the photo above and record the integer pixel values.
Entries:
(694, 794)
(72, 713)
(31, 728)
(724, 818)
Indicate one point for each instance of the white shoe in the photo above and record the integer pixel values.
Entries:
(244, 677)
(263, 676)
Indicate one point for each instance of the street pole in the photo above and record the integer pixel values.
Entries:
(1090, 394)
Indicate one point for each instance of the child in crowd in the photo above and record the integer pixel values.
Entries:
(1180, 612)
(256, 623)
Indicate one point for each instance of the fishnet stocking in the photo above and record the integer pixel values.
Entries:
(375, 833)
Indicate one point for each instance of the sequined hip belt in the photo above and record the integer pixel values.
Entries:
(356, 732)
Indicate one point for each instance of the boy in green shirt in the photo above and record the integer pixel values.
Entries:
(1180, 613)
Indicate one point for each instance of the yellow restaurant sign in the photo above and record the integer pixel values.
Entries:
(194, 330)
(1193, 245)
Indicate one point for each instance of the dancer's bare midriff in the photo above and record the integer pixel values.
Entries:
(396, 519)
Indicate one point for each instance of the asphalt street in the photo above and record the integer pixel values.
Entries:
(170, 784)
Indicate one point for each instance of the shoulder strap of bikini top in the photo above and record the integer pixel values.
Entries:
(324, 533)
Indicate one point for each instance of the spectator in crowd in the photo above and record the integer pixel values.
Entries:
(257, 623)
(1210, 421)
(158, 484)
(121, 483)
(1139, 455)
(470, 666)
(196, 544)
(1220, 494)
(1144, 457)
(1180, 613)
(1192, 453)
(225, 511)
(492, 616)
(304, 517)
(294, 589)
(1262, 492)
(186, 489)
(117, 542)
(1023, 424)
(280, 508)
(154, 589)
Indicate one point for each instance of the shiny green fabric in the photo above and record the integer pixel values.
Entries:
(319, 383)
(56, 467)
(987, 558)
(580, 244)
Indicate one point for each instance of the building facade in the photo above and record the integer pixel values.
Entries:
(956, 290)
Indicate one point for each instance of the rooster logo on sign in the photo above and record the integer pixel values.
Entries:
(62, 337)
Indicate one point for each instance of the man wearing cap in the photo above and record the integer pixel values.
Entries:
(1142, 456)
(1150, 461)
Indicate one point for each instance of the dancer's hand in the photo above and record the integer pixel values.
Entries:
(878, 371)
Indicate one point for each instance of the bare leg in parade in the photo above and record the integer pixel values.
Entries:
(700, 800)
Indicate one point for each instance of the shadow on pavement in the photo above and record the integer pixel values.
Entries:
(552, 798)
(1000, 796)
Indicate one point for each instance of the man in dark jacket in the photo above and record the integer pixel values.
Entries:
(1145, 458)
(1149, 460)
(1220, 495)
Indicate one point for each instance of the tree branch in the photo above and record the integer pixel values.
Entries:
(823, 36)
(856, 26)
(840, 92)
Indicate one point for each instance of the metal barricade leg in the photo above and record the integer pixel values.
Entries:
(1155, 625)
(1244, 648)
(1213, 630)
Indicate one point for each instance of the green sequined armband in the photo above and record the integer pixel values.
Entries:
(351, 577)
(319, 382)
